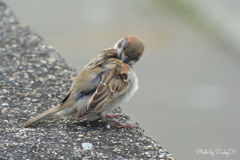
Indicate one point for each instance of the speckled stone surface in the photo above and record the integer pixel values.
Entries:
(33, 78)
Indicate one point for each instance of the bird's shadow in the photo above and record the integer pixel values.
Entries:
(74, 125)
(88, 126)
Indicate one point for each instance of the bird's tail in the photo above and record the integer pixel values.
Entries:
(42, 115)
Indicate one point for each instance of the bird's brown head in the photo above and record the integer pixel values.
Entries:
(130, 49)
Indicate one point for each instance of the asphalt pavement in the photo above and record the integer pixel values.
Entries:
(188, 97)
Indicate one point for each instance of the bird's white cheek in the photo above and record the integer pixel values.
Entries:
(116, 45)
(120, 45)
(119, 50)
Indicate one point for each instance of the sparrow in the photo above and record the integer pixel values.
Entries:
(103, 84)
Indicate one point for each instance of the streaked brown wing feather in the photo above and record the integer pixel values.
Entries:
(112, 83)
(99, 97)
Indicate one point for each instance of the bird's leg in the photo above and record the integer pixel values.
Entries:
(112, 115)
(119, 124)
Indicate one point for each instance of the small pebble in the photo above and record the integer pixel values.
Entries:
(87, 146)
(5, 104)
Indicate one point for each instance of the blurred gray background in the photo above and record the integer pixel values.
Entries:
(188, 97)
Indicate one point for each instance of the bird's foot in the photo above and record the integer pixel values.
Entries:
(112, 115)
(119, 124)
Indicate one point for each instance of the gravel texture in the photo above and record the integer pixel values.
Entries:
(34, 77)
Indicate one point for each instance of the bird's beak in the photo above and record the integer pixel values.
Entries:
(123, 57)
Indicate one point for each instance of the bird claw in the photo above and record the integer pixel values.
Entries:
(124, 125)
(119, 124)
(113, 115)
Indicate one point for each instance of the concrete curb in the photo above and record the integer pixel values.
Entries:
(34, 77)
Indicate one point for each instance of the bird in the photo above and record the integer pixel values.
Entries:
(102, 85)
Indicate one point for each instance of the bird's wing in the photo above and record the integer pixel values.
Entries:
(87, 76)
(65, 98)
(114, 81)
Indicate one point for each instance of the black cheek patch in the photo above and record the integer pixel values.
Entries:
(119, 44)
